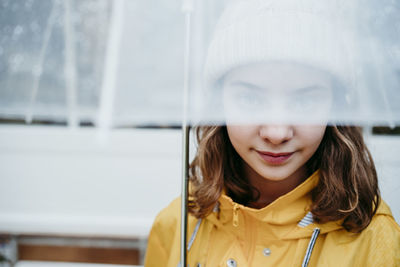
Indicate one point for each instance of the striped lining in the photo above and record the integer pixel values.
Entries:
(307, 220)
(216, 207)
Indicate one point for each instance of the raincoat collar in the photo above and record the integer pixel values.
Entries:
(287, 209)
(280, 218)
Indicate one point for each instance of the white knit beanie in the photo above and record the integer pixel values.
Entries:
(316, 33)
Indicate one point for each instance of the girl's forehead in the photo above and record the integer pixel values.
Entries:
(285, 76)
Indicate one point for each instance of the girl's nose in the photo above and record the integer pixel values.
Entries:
(276, 134)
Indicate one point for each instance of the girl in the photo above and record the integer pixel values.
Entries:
(279, 193)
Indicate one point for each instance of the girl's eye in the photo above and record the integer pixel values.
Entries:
(301, 104)
(248, 99)
(309, 102)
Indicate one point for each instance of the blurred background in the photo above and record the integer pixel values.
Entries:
(90, 139)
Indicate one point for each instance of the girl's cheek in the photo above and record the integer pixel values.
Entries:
(312, 134)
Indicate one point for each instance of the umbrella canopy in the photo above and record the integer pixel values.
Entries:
(302, 61)
(87, 61)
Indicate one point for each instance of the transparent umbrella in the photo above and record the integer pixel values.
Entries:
(137, 58)
(354, 43)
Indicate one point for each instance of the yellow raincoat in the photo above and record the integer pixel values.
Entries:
(280, 234)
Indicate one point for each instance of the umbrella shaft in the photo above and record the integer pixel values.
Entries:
(184, 196)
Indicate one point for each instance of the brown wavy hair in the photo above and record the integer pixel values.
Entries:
(347, 189)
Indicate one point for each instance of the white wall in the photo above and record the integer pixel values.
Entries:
(386, 153)
(54, 180)
(57, 181)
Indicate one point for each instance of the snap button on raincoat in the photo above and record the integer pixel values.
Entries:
(280, 234)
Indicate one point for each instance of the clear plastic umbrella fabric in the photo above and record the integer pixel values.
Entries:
(121, 62)
(250, 61)
(302, 61)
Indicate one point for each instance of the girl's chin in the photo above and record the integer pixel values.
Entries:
(275, 177)
(281, 173)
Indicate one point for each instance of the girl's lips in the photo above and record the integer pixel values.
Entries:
(275, 158)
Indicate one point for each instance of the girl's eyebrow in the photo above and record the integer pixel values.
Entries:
(310, 88)
(246, 84)
(301, 90)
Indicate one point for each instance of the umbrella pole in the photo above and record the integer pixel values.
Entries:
(184, 194)
(187, 9)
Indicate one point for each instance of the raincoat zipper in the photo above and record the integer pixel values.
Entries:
(310, 247)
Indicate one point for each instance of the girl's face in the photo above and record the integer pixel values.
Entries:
(276, 151)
